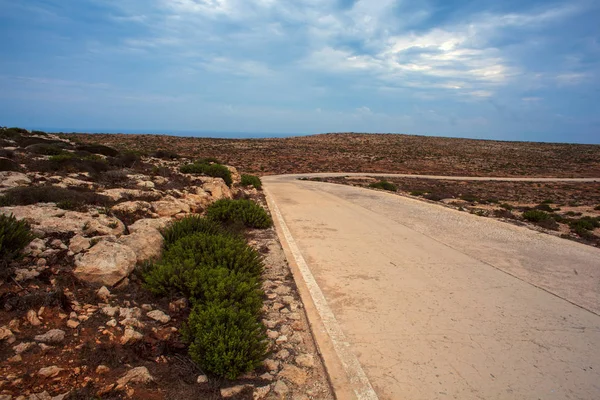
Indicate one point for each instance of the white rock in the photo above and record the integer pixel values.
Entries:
(146, 223)
(130, 336)
(202, 379)
(135, 375)
(305, 360)
(10, 179)
(106, 263)
(169, 207)
(79, 243)
(103, 293)
(159, 316)
(53, 336)
(33, 319)
(49, 372)
(146, 244)
(261, 392)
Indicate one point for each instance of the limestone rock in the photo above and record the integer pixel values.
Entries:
(169, 206)
(49, 372)
(148, 223)
(24, 274)
(131, 335)
(33, 319)
(135, 375)
(217, 188)
(305, 360)
(294, 374)
(103, 293)
(11, 179)
(234, 390)
(106, 263)
(23, 347)
(202, 379)
(79, 243)
(131, 207)
(281, 388)
(159, 316)
(261, 392)
(146, 244)
(53, 336)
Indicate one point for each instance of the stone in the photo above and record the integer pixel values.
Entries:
(23, 347)
(102, 369)
(122, 194)
(5, 333)
(178, 305)
(282, 290)
(169, 206)
(135, 375)
(305, 360)
(112, 323)
(33, 319)
(272, 334)
(217, 188)
(159, 316)
(281, 388)
(266, 377)
(78, 243)
(106, 263)
(11, 179)
(148, 223)
(234, 390)
(133, 312)
(261, 392)
(131, 335)
(103, 293)
(53, 336)
(133, 322)
(202, 379)
(73, 324)
(294, 374)
(35, 248)
(110, 311)
(282, 354)
(146, 244)
(49, 372)
(271, 365)
(281, 339)
(132, 207)
(297, 338)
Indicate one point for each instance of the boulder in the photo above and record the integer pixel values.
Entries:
(131, 207)
(11, 179)
(148, 223)
(235, 175)
(79, 243)
(106, 263)
(147, 244)
(159, 316)
(135, 375)
(217, 188)
(125, 194)
(169, 206)
(53, 336)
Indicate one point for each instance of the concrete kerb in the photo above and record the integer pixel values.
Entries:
(347, 378)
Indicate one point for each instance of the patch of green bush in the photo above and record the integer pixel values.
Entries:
(536, 215)
(6, 153)
(418, 192)
(69, 162)
(597, 208)
(251, 180)
(544, 207)
(8, 165)
(68, 199)
(507, 206)
(585, 223)
(469, 198)
(99, 149)
(45, 149)
(242, 211)
(165, 155)
(226, 341)
(14, 236)
(385, 185)
(214, 170)
(188, 226)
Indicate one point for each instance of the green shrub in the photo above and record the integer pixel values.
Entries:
(225, 341)
(385, 185)
(536, 215)
(214, 170)
(544, 207)
(8, 165)
(99, 149)
(585, 223)
(188, 226)
(418, 192)
(469, 198)
(597, 208)
(45, 149)
(165, 155)
(69, 162)
(241, 211)
(69, 199)
(124, 160)
(14, 236)
(6, 153)
(251, 180)
(506, 206)
(11, 133)
(178, 269)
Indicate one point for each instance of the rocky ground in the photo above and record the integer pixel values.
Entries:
(563, 203)
(353, 152)
(75, 320)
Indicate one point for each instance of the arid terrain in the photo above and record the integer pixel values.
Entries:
(351, 152)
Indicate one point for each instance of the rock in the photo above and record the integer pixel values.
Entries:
(124, 194)
(145, 184)
(261, 392)
(294, 374)
(272, 334)
(49, 372)
(35, 248)
(271, 365)
(133, 322)
(5, 333)
(159, 316)
(281, 339)
(146, 223)
(132, 207)
(79, 243)
(131, 335)
(133, 312)
(112, 323)
(22, 274)
(146, 244)
(281, 388)
(235, 175)
(72, 324)
(33, 319)
(23, 347)
(103, 293)
(135, 375)
(102, 369)
(266, 377)
(11, 179)
(305, 360)
(53, 336)
(282, 290)
(217, 188)
(282, 354)
(234, 390)
(106, 263)
(147, 307)
(110, 311)
(169, 206)
(178, 305)
(15, 359)
(297, 338)
(202, 379)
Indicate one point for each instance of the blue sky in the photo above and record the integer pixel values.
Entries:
(516, 70)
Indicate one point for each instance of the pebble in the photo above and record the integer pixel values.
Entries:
(261, 392)
(305, 360)
(53, 336)
(73, 324)
(135, 375)
(202, 379)
(281, 388)
(159, 316)
(49, 372)
(102, 369)
(33, 319)
(271, 365)
(282, 354)
(103, 293)
(272, 334)
(281, 339)
(23, 347)
(131, 335)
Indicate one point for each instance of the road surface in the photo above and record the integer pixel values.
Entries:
(434, 303)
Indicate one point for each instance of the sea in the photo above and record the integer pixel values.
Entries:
(181, 133)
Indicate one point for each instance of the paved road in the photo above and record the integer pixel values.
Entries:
(440, 304)
(442, 177)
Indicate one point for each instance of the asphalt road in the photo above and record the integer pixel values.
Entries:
(440, 304)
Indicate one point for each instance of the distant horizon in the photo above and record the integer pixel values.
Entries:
(215, 134)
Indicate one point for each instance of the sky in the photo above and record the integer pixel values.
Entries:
(495, 69)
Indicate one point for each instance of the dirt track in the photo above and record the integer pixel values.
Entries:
(441, 304)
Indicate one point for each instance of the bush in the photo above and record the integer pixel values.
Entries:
(179, 266)
(251, 180)
(8, 165)
(536, 215)
(69, 162)
(45, 149)
(469, 198)
(214, 170)
(418, 192)
(246, 212)
(124, 160)
(6, 153)
(14, 236)
(69, 199)
(544, 207)
(188, 226)
(597, 208)
(99, 149)
(585, 223)
(385, 185)
(225, 341)
(506, 206)
(165, 155)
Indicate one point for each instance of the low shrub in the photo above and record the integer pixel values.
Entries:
(385, 185)
(585, 223)
(251, 180)
(69, 162)
(469, 198)
(503, 213)
(536, 215)
(45, 149)
(69, 199)
(178, 268)
(99, 149)
(188, 226)
(225, 341)
(214, 170)
(14, 236)
(245, 212)
(597, 208)
(418, 192)
(544, 207)
(434, 196)
(506, 206)
(12, 133)
(124, 160)
(6, 153)
(8, 165)
(165, 155)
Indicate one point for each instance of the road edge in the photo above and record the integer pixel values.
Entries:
(346, 376)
